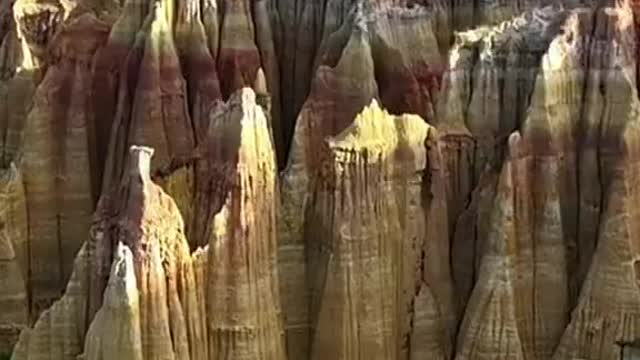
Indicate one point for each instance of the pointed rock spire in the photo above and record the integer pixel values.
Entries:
(114, 333)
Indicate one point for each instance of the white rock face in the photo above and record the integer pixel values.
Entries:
(114, 332)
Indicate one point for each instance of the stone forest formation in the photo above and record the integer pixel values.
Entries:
(319, 179)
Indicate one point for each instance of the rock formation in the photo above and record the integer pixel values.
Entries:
(374, 175)
(457, 179)
(13, 257)
(57, 158)
(243, 301)
(114, 332)
(157, 295)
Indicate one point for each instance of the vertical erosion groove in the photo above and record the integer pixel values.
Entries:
(314, 180)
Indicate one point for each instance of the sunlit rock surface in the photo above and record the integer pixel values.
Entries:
(244, 318)
(297, 179)
(371, 211)
(114, 332)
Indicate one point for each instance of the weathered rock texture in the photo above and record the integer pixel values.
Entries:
(374, 175)
(243, 305)
(13, 257)
(157, 296)
(57, 158)
(458, 179)
(114, 332)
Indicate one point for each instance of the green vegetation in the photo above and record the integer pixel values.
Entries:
(5, 356)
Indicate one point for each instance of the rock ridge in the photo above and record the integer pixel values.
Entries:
(297, 179)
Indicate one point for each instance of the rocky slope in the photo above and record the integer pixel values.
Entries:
(337, 179)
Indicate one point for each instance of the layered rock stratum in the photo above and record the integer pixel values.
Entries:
(334, 179)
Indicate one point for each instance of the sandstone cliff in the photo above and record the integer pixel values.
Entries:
(156, 296)
(457, 179)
